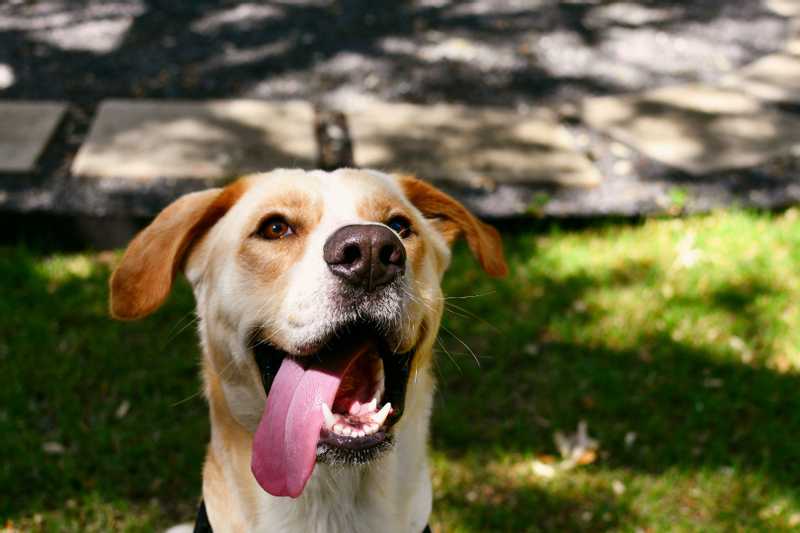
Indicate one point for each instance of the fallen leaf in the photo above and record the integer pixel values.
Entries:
(578, 448)
(543, 470)
(587, 458)
(123, 409)
(53, 448)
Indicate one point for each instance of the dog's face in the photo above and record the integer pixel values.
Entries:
(319, 300)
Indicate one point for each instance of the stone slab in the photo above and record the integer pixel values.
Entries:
(27, 127)
(473, 146)
(775, 78)
(135, 139)
(785, 8)
(695, 128)
(793, 46)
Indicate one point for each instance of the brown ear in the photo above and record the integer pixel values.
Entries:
(143, 279)
(453, 220)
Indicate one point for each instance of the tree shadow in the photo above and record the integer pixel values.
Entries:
(690, 405)
(486, 508)
(204, 49)
(70, 370)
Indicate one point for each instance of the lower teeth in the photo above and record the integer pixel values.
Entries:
(352, 426)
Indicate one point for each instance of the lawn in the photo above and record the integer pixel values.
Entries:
(674, 340)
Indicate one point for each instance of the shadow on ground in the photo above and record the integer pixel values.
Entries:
(94, 408)
(688, 405)
(70, 370)
(474, 51)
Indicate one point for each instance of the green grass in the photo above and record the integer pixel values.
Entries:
(675, 340)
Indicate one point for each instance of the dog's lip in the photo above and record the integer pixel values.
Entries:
(366, 442)
(319, 345)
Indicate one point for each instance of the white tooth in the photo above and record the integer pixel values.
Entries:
(372, 428)
(347, 431)
(355, 408)
(381, 383)
(338, 429)
(330, 420)
(371, 406)
(359, 433)
(380, 417)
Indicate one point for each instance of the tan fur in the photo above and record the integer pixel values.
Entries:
(382, 208)
(144, 277)
(279, 286)
(226, 461)
(268, 260)
(453, 220)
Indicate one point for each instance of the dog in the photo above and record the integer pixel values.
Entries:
(318, 298)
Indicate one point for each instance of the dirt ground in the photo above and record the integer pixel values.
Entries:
(496, 52)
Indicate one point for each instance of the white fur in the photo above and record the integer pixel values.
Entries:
(392, 494)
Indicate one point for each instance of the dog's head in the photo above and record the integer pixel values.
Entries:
(319, 301)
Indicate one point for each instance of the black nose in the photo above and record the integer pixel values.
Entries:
(367, 256)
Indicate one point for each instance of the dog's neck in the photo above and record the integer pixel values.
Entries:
(393, 493)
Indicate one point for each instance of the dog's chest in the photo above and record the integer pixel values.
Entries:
(337, 500)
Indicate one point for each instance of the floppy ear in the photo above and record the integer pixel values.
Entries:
(453, 220)
(143, 279)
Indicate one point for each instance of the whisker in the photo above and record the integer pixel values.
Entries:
(189, 398)
(468, 296)
(464, 344)
(470, 314)
(172, 336)
(441, 344)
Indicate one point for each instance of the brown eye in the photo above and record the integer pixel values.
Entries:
(400, 225)
(274, 228)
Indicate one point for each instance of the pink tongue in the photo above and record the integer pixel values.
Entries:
(285, 443)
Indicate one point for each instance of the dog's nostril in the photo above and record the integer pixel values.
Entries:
(350, 254)
(390, 255)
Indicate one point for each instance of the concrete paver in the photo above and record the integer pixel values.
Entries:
(696, 128)
(786, 8)
(471, 146)
(775, 78)
(132, 139)
(27, 127)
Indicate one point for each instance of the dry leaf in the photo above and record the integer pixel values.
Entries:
(588, 457)
(123, 409)
(53, 448)
(578, 448)
(543, 470)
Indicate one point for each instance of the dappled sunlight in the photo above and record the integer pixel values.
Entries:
(73, 403)
(625, 376)
(58, 269)
(672, 341)
(218, 138)
(476, 494)
(90, 26)
(469, 51)
(7, 77)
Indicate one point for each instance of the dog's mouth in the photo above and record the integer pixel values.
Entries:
(337, 403)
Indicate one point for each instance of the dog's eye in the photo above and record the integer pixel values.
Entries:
(274, 228)
(400, 225)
